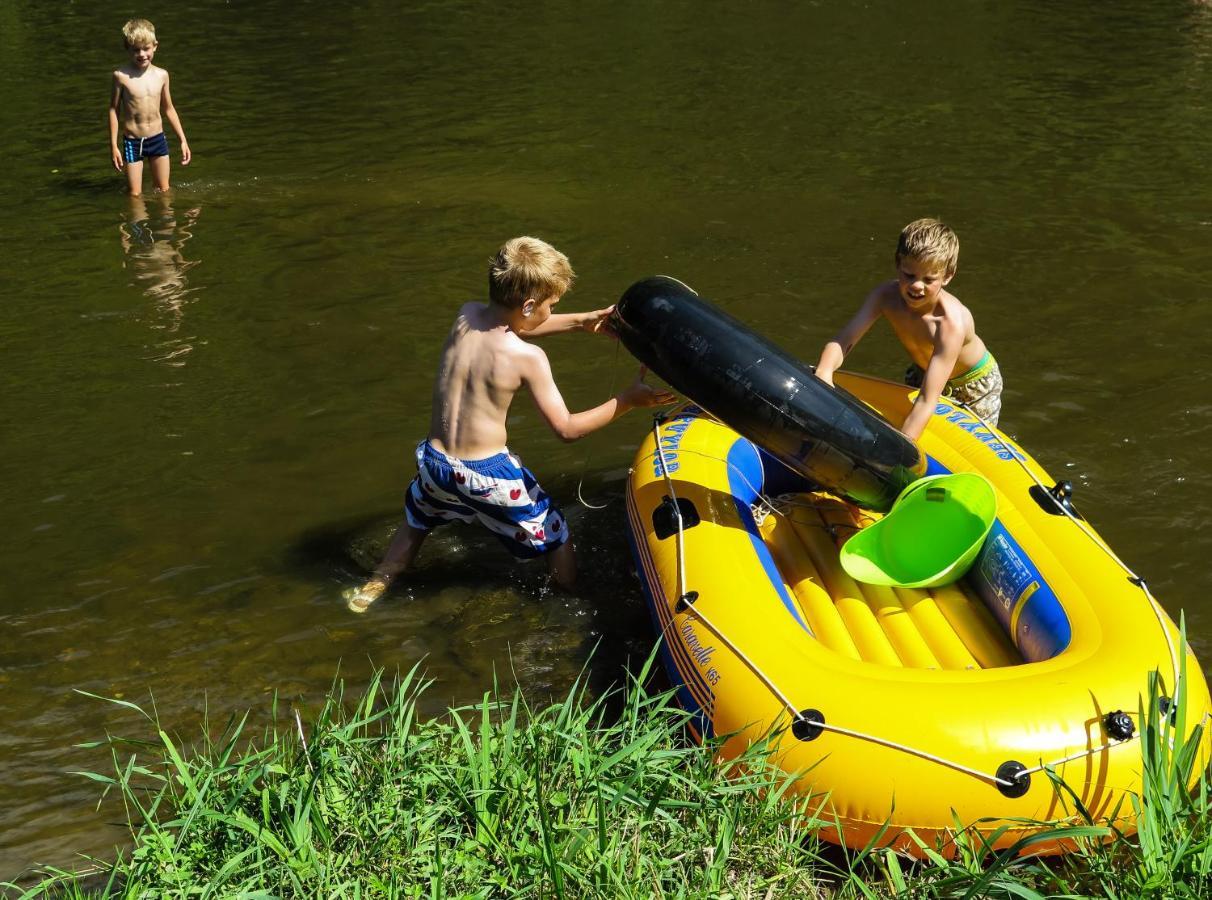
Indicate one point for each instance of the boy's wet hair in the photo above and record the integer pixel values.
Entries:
(929, 241)
(139, 33)
(525, 268)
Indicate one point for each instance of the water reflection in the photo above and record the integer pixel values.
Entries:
(1198, 32)
(154, 235)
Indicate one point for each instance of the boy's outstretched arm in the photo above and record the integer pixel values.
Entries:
(845, 340)
(595, 321)
(170, 112)
(115, 101)
(569, 426)
(948, 343)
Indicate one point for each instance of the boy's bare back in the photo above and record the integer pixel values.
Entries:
(481, 369)
(485, 362)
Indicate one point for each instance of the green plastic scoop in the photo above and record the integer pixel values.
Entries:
(929, 538)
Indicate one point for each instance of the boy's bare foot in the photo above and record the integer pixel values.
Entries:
(359, 600)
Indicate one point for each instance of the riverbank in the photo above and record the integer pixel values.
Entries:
(588, 796)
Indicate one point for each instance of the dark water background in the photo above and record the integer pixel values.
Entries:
(210, 400)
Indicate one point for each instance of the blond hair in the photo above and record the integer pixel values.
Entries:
(527, 268)
(139, 33)
(929, 241)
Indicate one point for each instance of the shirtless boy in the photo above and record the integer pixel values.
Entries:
(935, 328)
(464, 468)
(138, 104)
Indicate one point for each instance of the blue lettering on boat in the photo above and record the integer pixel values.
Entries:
(977, 430)
(671, 437)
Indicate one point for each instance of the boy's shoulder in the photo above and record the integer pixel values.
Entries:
(127, 72)
(886, 293)
(951, 303)
(476, 316)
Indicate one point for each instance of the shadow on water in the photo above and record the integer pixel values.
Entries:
(463, 583)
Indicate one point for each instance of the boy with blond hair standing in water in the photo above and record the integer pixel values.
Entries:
(139, 102)
(465, 471)
(935, 329)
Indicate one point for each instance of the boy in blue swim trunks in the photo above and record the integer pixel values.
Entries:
(139, 102)
(465, 471)
(934, 327)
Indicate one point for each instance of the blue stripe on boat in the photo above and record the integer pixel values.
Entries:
(744, 479)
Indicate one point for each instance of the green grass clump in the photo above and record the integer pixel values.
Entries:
(580, 798)
(586, 797)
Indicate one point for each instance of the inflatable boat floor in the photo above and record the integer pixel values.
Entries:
(940, 628)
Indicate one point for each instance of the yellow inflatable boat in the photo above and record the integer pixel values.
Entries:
(908, 709)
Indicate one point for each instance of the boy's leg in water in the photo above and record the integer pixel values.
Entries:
(399, 556)
(562, 565)
(134, 177)
(159, 171)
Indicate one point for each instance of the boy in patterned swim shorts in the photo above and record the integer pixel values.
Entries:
(138, 104)
(935, 329)
(465, 471)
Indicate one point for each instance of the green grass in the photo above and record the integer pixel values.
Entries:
(586, 797)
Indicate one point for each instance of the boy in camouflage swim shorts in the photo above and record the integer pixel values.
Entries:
(936, 330)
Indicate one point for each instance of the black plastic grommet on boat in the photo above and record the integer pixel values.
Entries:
(1119, 725)
(1056, 500)
(1062, 493)
(1168, 710)
(808, 726)
(686, 601)
(1013, 771)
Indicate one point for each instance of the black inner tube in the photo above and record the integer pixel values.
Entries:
(766, 394)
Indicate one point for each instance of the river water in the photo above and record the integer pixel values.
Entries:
(211, 398)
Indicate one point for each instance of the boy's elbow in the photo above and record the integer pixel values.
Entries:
(565, 429)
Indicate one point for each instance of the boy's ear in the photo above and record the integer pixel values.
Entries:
(528, 307)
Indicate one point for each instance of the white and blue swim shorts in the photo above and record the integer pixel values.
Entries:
(498, 492)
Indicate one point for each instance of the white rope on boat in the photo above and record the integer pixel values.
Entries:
(1091, 752)
(799, 716)
(677, 510)
(1079, 755)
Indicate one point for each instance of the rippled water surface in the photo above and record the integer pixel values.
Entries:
(211, 398)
